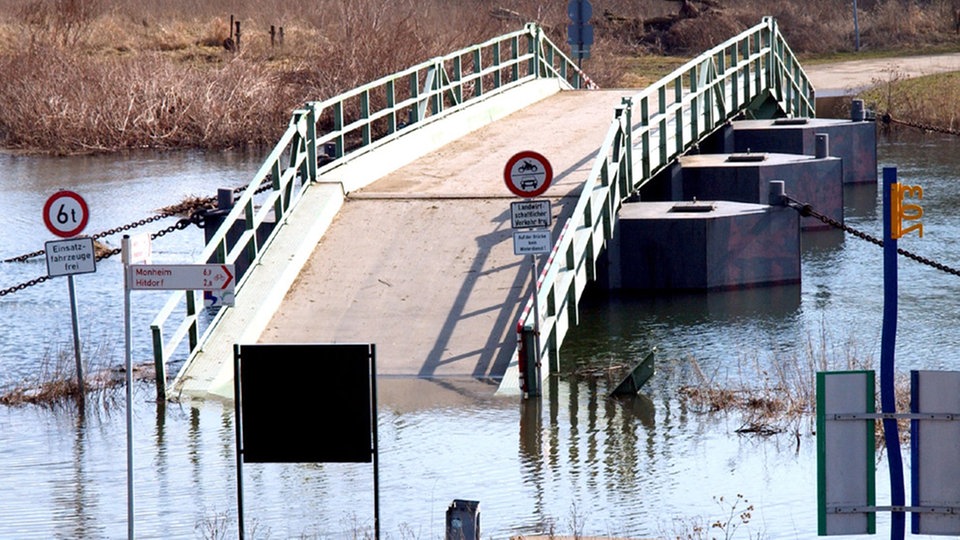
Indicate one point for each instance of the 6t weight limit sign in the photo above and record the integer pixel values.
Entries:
(65, 214)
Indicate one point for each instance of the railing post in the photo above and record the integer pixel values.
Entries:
(457, 78)
(338, 128)
(772, 75)
(533, 49)
(364, 114)
(694, 107)
(645, 136)
(415, 97)
(515, 56)
(627, 186)
(391, 106)
(477, 68)
(159, 366)
(193, 334)
(497, 75)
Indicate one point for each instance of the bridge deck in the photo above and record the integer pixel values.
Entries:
(421, 261)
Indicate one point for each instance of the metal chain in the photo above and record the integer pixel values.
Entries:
(807, 210)
(172, 211)
(24, 285)
(887, 118)
(198, 213)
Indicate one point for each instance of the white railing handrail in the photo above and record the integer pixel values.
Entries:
(326, 134)
(691, 102)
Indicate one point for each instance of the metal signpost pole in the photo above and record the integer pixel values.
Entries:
(887, 348)
(536, 321)
(856, 28)
(76, 335)
(128, 355)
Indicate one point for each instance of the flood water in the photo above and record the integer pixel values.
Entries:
(651, 466)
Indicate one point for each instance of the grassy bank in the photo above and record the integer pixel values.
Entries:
(929, 101)
(106, 75)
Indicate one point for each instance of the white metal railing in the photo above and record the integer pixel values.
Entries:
(753, 71)
(327, 134)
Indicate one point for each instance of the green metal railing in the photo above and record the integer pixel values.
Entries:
(752, 74)
(327, 134)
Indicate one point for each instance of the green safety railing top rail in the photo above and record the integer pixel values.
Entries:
(754, 73)
(327, 134)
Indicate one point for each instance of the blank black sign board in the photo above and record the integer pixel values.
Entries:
(303, 403)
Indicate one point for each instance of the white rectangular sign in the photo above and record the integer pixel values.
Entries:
(531, 242)
(72, 256)
(181, 277)
(140, 249)
(530, 214)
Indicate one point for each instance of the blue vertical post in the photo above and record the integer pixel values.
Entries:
(888, 340)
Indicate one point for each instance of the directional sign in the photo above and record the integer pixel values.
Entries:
(181, 277)
(530, 214)
(65, 214)
(528, 174)
(68, 257)
(531, 242)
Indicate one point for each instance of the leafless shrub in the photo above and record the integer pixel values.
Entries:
(64, 22)
(104, 75)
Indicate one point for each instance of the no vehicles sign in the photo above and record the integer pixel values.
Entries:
(528, 174)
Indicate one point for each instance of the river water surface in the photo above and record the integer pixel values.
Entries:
(653, 466)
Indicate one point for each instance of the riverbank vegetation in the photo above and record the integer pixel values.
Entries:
(106, 75)
(928, 102)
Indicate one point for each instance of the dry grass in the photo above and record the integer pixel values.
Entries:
(106, 75)
(929, 100)
(56, 381)
(779, 393)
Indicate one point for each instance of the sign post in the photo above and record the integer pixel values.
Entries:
(580, 32)
(66, 214)
(888, 340)
(128, 379)
(160, 277)
(529, 174)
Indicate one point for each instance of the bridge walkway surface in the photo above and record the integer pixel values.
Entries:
(420, 262)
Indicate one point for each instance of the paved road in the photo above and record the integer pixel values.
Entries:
(848, 78)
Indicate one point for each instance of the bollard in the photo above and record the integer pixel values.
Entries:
(856, 110)
(463, 520)
(822, 145)
(776, 192)
(224, 199)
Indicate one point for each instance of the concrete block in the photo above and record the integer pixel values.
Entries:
(736, 177)
(707, 246)
(853, 142)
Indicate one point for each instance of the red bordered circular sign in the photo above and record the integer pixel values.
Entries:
(65, 214)
(528, 174)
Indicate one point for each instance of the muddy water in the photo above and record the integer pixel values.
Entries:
(651, 466)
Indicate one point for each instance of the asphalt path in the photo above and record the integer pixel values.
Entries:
(851, 77)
